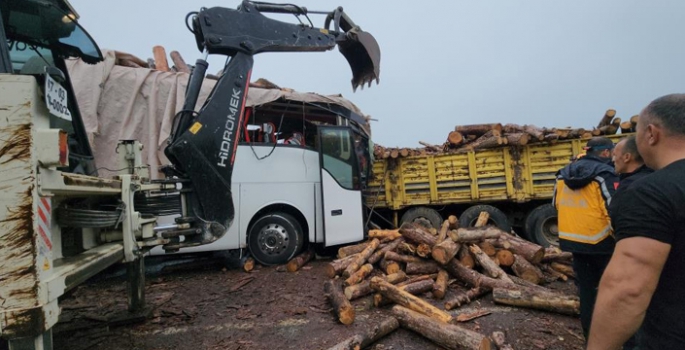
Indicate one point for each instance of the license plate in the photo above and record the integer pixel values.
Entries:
(56, 98)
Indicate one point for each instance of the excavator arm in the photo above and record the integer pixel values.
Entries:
(202, 145)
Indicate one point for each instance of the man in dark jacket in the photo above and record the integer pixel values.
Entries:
(628, 162)
(582, 196)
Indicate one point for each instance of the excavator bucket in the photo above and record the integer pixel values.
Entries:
(364, 56)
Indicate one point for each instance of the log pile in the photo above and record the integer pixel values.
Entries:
(466, 138)
(463, 264)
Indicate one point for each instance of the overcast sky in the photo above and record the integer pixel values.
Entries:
(542, 62)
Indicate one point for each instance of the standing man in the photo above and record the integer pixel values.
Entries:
(628, 162)
(644, 284)
(582, 196)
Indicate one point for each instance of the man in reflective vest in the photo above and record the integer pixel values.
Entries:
(582, 196)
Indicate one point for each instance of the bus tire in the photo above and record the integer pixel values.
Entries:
(542, 226)
(275, 238)
(469, 217)
(418, 214)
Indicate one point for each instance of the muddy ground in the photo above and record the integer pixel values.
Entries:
(204, 305)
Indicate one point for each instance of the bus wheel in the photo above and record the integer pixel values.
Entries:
(275, 238)
(542, 226)
(419, 214)
(469, 217)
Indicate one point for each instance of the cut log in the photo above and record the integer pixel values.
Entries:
(477, 234)
(563, 132)
(394, 153)
(433, 148)
(455, 138)
(159, 54)
(449, 336)
(384, 233)
(352, 249)
(551, 138)
(465, 257)
(534, 131)
(530, 251)
(576, 133)
(528, 298)
(409, 301)
(407, 248)
(453, 221)
(483, 218)
(248, 265)
(417, 234)
(499, 340)
(336, 267)
(297, 262)
(364, 288)
(444, 251)
(440, 285)
(466, 297)
(479, 129)
(512, 128)
(608, 129)
(487, 141)
(359, 275)
(475, 279)
(423, 250)
(404, 152)
(416, 288)
(518, 139)
(443, 231)
(489, 266)
(415, 279)
(551, 274)
(586, 135)
(526, 270)
(390, 267)
(626, 127)
(616, 122)
(401, 258)
(380, 253)
(179, 63)
(606, 119)
(423, 267)
(361, 258)
(559, 256)
(341, 306)
(633, 121)
(369, 336)
(505, 257)
(563, 268)
(487, 248)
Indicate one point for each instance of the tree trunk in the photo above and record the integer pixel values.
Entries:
(563, 132)
(466, 297)
(530, 251)
(364, 288)
(401, 258)
(524, 297)
(384, 234)
(512, 128)
(416, 288)
(407, 248)
(444, 251)
(423, 250)
(453, 221)
(534, 131)
(379, 254)
(359, 276)
(609, 129)
(433, 148)
(551, 138)
(475, 279)
(409, 301)
(465, 257)
(179, 63)
(449, 336)
(415, 279)
(390, 267)
(161, 62)
(248, 265)
(423, 267)
(483, 218)
(440, 285)
(606, 119)
(633, 121)
(417, 234)
(487, 141)
(489, 266)
(352, 249)
(443, 231)
(369, 336)
(342, 307)
(626, 127)
(394, 153)
(455, 138)
(297, 262)
(555, 254)
(336, 267)
(526, 270)
(551, 274)
(479, 129)
(563, 268)
(361, 258)
(576, 133)
(505, 257)
(477, 234)
(404, 152)
(487, 248)
(518, 139)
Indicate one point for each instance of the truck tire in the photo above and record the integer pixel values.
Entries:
(275, 238)
(469, 217)
(542, 226)
(421, 214)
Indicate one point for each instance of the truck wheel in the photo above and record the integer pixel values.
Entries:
(422, 213)
(469, 217)
(542, 226)
(275, 238)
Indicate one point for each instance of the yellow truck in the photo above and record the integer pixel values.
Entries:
(513, 184)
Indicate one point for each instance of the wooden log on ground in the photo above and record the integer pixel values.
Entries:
(409, 301)
(550, 274)
(159, 54)
(380, 253)
(453, 221)
(389, 266)
(487, 248)
(477, 234)
(352, 249)
(364, 288)
(415, 279)
(401, 258)
(626, 127)
(505, 257)
(359, 275)
(465, 257)
(489, 266)
(337, 267)
(475, 279)
(179, 63)
(418, 234)
(466, 297)
(529, 298)
(449, 336)
(424, 267)
(479, 129)
(361, 258)
(443, 231)
(518, 139)
(563, 268)
(423, 250)
(530, 251)
(406, 248)
(416, 288)
(482, 220)
(249, 264)
(444, 251)
(455, 138)
(392, 234)
(500, 341)
(440, 285)
(559, 256)
(606, 119)
(297, 262)
(524, 269)
(368, 336)
(342, 307)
